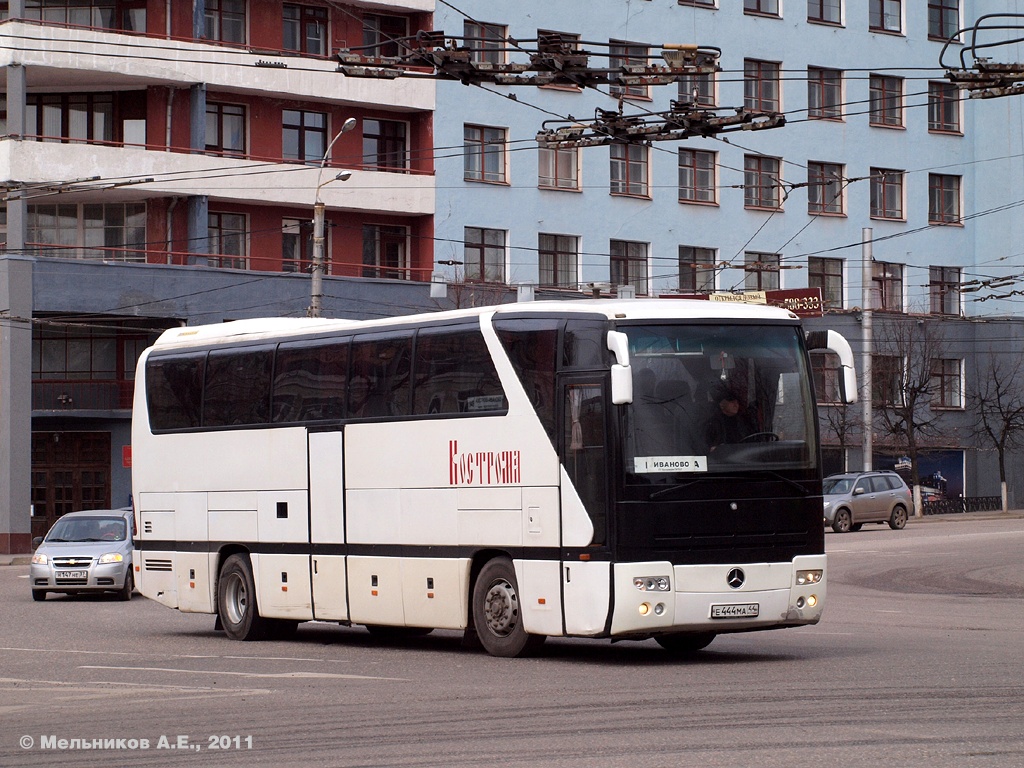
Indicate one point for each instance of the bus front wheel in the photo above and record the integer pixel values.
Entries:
(236, 601)
(497, 613)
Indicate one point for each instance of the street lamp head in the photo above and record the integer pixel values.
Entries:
(343, 175)
(348, 125)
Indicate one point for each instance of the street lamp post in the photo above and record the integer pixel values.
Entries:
(316, 286)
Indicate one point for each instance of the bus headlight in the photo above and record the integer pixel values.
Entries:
(803, 578)
(652, 583)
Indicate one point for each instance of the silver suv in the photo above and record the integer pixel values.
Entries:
(855, 498)
(86, 552)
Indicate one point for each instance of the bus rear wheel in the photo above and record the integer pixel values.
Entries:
(236, 601)
(685, 643)
(497, 613)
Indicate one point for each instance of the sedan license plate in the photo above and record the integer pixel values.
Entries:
(71, 575)
(736, 611)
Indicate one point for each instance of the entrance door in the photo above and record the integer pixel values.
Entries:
(70, 471)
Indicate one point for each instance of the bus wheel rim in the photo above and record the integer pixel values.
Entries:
(501, 608)
(236, 601)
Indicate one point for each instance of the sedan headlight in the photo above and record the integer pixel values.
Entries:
(111, 557)
(39, 559)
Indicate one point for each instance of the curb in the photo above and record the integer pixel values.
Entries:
(15, 559)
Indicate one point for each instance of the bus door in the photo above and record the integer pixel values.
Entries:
(583, 449)
(327, 525)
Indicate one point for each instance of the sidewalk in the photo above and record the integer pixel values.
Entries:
(1013, 514)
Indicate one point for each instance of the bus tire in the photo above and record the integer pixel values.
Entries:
(685, 643)
(236, 601)
(497, 613)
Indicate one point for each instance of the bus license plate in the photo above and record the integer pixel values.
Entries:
(71, 575)
(736, 611)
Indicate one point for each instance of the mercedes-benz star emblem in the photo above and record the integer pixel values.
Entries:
(735, 578)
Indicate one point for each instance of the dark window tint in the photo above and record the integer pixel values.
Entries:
(380, 385)
(174, 391)
(310, 379)
(455, 374)
(237, 390)
(585, 344)
(531, 344)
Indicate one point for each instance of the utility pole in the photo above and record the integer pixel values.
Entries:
(316, 283)
(867, 343)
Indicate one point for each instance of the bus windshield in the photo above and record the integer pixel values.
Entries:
(717, 398)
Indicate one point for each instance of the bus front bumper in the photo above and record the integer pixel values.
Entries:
(656, 597)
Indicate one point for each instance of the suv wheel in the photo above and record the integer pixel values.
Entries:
(898, 518)
(843, 522)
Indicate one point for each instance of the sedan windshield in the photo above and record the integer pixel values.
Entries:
(710, 398)
(88, 529)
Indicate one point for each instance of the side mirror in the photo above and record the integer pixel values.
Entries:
(858, 491)
(622, 374)
(834, 342)
(36, 542)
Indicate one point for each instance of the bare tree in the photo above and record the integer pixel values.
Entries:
(908, 351)
(998, 403)
(463, 293)
(843, 423)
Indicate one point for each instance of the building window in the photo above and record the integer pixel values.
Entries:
(629, 265)
(826, 370)
(761, 271)
(944, 290)
(304, 136)
(826, 274)
(761, 85)
(558, 260)
(700, 3)
(761, 182)
(558, 168)
(697, 176)
(696, 269)
(484, 255)
(225, 128)
(824, 93)
(825, 11)
(825, 188)
(484, 153)
(385, 252)
(886, 101)
(623, 54)
(70, 116)
(102, 231)
(225, 20)
(761, 7)
(886, 379)
(384, 145)
(305, 29)
(887, 286)
(486, 42)
(698, 89)
(885, 15)
(947, 383)
(297, 245)
(228, 241)
(943, 107)
(943, 199)
(886, 194)
(943, 19)
(382, 35)
(124, 15)
(629, 169)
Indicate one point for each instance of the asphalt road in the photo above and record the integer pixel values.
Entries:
(916, 663)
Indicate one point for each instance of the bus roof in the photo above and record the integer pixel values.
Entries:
(613, 309)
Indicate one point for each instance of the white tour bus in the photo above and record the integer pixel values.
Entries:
(596, 468)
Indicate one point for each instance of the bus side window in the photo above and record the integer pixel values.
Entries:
(174, 391)
(531, 344)
(310, 380)
(237, 388)
(381, 386)
(585, 345)
(454, 373)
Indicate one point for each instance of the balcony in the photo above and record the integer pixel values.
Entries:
(72, 396)
(81, 58)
